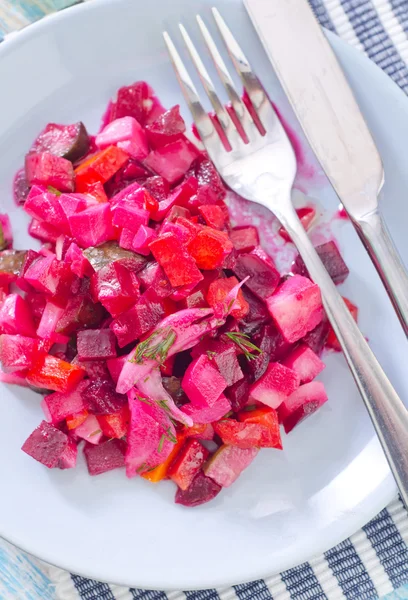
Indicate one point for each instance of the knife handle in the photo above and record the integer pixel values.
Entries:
(385, 407)
(378, 242)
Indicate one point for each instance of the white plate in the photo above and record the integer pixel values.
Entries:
(332, 476)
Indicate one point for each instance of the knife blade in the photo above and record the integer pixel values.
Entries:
(330, 117)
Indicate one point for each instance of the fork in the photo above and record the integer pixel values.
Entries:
(262, 168)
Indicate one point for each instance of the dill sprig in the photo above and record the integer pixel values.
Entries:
(155, 350)
(242, 341)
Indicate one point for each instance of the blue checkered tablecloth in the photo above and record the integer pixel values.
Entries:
(374, 561)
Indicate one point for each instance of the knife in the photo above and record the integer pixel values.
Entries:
(329, 115)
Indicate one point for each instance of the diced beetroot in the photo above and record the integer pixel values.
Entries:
(36, 303)
(143, 238)
(46, 207)
(46, 169)
(179, 197)
(115, 366)
(17, 352)
(332, 341)
(305, 363)
(105, 457)
(302, 403)
(61, 246)
(69, 141)
(72, 203)
(43, 231)
(96, 344)
(203, 383)
(116, 424)
(205, 195)
(202, 490)
(78, 262)
(11, 264)
(127, 134)
(100, 167)
(187, 463)
(213, 215)
(116, 288)
(194, 300)
(131, 217)
(172, 161)
(249, 435)
(51, 447)
(245, 239)
(201, 431)
(126, 239)
(59, 406)
(21, 187)
(95, 191)
(167, 128)
(307, 215)
(6, 236)
(316, 339)
(95, 369)
(296, 307)
(225, 357)
(331, 258)
(132, 195)
(93, 226)
(207, 175)
(157, 187)
(273, 347)
(80, 312)
(177, 263)
(49, 320)
(218, 291)
(101, 397)
(137, 321)
(89, 430)
(274, 386)
(207, 414)
(263, 276)
(209, 248)
(238, 394)
(54, 374)
(228, 463)
(15, 316)
(181, 233)
(151, 436)
(154, 282)
(137, 100)
(50, 276)
(15, 378)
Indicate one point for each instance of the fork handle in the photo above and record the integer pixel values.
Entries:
(387, 412)
(380, 246)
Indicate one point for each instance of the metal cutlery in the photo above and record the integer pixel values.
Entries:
(263, 170)
(325, 106)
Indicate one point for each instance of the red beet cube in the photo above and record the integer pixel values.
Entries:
(316, 339)
(202, 490)
(43, 231)
(273, 346)
(93, 226)
(305, 363)
(51, 447)
(332, 260)
(203, 383)
(137, 321)
(138, 101)
(154, 282)
(101, 397)
(116, 288)
(167, 128)
(187, 463)
(218, 291)
(209, 248)
(47, 207)
(177, 263)
(332, 341)
(59, 406)
(16, 317)
(206, 415)
(302, 403)
(225, 358)
(274, 386)
(105, 457)
(130, 217)
(143, 238)
(46, 169)
(296, 307)
(244, 239)
(207, 174)
(157, 187)
(17, 352)
(181, 233)
(214, 215)
(260, 268)
(228, 462)
(96, 344)
(173, 160)
(238, 394)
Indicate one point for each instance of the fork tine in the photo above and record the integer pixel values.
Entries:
(222, 114)
(251, 83)
(238, 105)
(205, 126)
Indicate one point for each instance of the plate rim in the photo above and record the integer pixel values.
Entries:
(355, 519)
